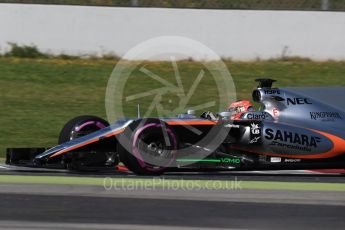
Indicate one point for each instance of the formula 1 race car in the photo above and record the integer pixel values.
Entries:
(290, 131)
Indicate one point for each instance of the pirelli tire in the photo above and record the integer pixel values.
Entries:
(81, 126)
(75, 128)
(146, 151)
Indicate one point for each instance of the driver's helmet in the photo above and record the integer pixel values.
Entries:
(240, 107)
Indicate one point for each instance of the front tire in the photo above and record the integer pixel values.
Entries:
(81, 126)
(75, 128)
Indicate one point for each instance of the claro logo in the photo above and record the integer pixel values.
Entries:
(292, 138)
(257, 116)
(298, 101)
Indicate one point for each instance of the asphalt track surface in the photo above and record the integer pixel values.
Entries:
(42, 206)
(283, 176)
(169, 213)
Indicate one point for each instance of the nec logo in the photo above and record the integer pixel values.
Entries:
(298, 101)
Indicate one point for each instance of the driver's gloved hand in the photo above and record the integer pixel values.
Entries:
(208, 115)
(211, 116)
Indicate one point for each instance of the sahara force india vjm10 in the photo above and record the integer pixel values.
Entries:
(290, 131)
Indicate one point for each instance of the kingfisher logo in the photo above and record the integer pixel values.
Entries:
(325, 116)
(291, 138)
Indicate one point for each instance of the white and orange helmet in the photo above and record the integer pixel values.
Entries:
(240, 107)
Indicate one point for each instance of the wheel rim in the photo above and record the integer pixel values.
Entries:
(154, 146)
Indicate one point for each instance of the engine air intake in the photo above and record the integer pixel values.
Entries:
(265, 82)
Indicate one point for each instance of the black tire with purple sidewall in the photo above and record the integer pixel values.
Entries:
(80, 126)
(133, 156)
(77, 127)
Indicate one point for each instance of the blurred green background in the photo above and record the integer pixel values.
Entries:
(38, 95)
